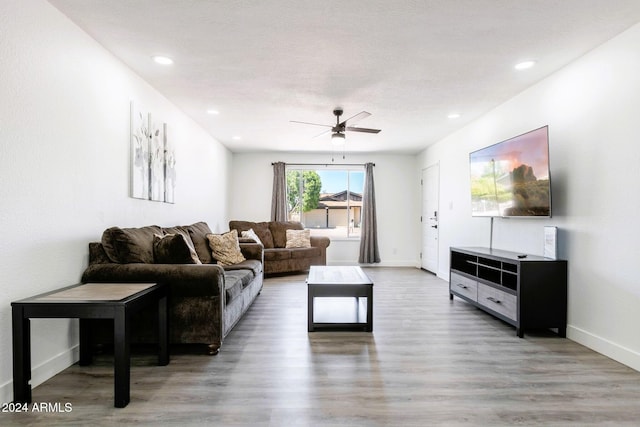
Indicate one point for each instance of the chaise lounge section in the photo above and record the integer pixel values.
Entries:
(278, 258)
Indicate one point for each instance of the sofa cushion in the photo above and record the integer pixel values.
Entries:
(179, 230)
(130, 245)
(245, 276)
(298, 239)
(277, 254)
(305, 253)
(198, 233)
(225, 248)
(260, 228)
(232, 286)
(252, 265)
(279, 231)
(185, 232)
(174, 249)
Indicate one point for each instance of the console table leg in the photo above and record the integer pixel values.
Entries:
(310, 295)
(370, 309)
(163, 331)
(122, 365)
(86, 355)
(21, 356)
(520, 332)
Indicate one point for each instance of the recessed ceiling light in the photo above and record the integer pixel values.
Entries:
(213, 112)
(164, 60)
(237, 138)
(453, 115)
(524, 65)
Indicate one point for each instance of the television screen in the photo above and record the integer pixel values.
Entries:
(511, 178)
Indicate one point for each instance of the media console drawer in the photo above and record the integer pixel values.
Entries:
(498, 301)
(464, 286)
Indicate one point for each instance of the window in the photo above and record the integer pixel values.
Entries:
(328, 201)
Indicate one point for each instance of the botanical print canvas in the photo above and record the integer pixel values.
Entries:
(156, 160)
(139, 153)
(169, 167)
(153, 172)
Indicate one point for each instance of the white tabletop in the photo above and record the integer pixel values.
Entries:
(344, 275)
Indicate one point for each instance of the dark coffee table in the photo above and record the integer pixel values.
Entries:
(117, 301)
(326, 282)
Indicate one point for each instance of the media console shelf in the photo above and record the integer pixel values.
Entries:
(526, 291)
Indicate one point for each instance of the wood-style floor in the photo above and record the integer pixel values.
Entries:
(429, 361)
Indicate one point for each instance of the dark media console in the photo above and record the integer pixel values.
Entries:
(526, 291)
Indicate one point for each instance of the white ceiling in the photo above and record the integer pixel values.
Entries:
(408, 63)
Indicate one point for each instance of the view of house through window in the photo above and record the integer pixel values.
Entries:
(327, 201)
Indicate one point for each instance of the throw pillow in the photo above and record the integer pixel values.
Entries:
(130, 245)
(279, 231)
(298, 239)
(226, 248)
(252, 235)
(260, 228)
(198, 232)
(174, 249)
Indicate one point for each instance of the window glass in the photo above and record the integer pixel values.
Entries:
(327, 201)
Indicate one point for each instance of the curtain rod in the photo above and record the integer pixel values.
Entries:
(324, 164)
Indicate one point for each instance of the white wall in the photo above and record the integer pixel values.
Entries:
(397, 201)
(592, 108)
(64, 168)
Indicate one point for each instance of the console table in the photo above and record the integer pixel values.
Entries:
(117, 301)
(526, 291)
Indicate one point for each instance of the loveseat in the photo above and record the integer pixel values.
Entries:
(277, 257)
(206, 299)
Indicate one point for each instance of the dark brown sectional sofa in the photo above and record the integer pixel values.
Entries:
(278, 258)
(205, 300)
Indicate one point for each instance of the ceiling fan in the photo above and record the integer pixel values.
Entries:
(338, 130)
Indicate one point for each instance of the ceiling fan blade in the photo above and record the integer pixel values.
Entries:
(366, 130)
(323, 133)
(361, 115)
(307, 123)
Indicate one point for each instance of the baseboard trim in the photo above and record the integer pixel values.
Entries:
(43, 372)
(605, 347)
(411, 264)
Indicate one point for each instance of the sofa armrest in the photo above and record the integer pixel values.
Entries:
(252, 250)
(184, 280)
(320, 241)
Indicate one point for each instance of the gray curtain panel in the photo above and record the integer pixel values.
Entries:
(279, 197)
(369, 235)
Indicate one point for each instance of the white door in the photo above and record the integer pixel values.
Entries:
(430, 216)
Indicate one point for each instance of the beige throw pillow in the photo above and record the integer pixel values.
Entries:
(250, 234)
(298, 239)
(225, 248)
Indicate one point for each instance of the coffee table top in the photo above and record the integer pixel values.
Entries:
(90, 292)
(337, 275)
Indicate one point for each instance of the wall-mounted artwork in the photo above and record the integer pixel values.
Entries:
(156, 160)
(139, 153)
(169, 167)
(153, 172)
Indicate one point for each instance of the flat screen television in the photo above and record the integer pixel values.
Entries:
(511, 178)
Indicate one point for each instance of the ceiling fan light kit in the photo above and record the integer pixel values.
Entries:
(337, 138)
